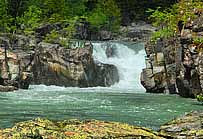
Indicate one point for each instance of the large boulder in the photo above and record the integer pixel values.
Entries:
(56, 65)
(106, 75)
(153, 82)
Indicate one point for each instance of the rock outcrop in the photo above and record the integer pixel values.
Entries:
(185, 127)
(74, 129)
(175, 65)
(56, 65)
(24, 61)
(13, 67)
(136, 32)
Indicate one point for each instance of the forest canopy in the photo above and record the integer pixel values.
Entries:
(109, 14)
(28, 14)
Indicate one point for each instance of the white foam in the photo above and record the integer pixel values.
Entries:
(128, 62)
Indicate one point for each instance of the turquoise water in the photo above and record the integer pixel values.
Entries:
(124, 102)
(59, 103)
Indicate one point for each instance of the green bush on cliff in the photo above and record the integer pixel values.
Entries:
(28, 14)
(167, 20)
(65, 36)
(5, 18)
(198, 40)
(106, 14)
(200, 98)
(30, 19)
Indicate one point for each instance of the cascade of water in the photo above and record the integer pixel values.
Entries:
(129, 63)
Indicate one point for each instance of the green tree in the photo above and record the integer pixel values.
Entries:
(167, 20)
(30, 19)
(106, 14)
(5, 18)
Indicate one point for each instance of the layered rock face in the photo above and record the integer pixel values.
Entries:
(24, 61)
(134, 32)
(14, 65)
(55, 65)
(175, 65)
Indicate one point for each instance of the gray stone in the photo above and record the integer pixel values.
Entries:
(56, 65)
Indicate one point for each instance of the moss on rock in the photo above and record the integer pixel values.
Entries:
(75, 129)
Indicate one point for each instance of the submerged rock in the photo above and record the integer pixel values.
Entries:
(74, 129)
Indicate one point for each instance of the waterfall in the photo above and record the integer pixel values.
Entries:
(129, 62)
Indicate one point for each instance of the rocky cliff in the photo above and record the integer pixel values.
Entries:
(175, 65)
(55, 65)
(26, 61)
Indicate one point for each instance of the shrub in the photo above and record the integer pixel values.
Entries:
(167, 20)
(200, 98)
(30, 19)
(106, 14)
(5, 18)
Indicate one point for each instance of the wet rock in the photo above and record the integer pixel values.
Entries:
(13, 66)
(105, 35)
(153, 83)
(4, 88)
(106, 75)
(110, 50)
(56, 65)
(43, 30)
(188, 126)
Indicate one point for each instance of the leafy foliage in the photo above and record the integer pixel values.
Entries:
(167, 20)
(5, 18)
(200, 98)
(106, 14)
(30, 19)
(26, 15)
(198, 40)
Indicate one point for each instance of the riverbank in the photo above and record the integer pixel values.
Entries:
(188, 126)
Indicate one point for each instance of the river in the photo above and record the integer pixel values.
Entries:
(125, 101)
